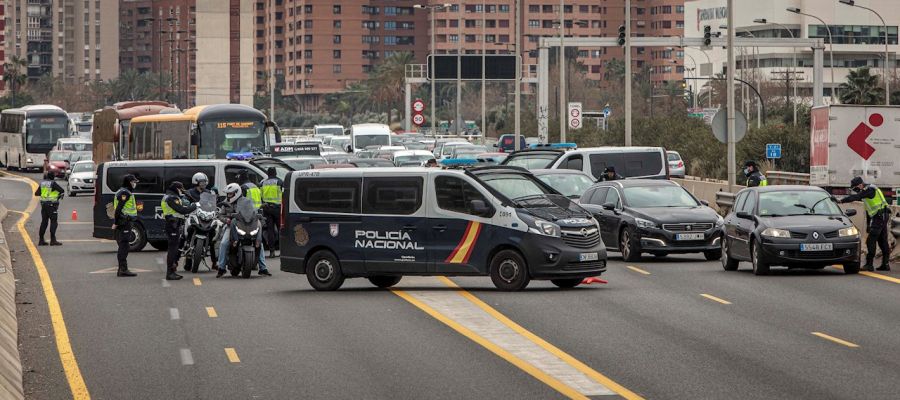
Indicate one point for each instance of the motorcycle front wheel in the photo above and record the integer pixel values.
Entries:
(198, 254)
(248, 263)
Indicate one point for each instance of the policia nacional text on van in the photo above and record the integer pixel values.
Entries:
(384, 223)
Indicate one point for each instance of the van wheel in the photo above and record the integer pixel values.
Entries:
(323, 271)
(138, 238)
(384, 281)
(161, 245)
(566, 283)
(631, 250)
(509, 272)
(759, 267)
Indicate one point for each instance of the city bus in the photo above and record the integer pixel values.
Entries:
(203, 132)
(110, 123)
(27, 134)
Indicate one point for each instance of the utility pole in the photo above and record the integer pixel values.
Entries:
(271, 27)
(459, 40)
(518, 101)
(483, 128)
(563, 109)
(628, 72)
(729, 82)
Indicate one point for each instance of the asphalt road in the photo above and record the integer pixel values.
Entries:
(650, 329)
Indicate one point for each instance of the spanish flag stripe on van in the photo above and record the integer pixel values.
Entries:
(466, 244)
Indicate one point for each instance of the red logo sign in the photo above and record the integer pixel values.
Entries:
(857, 139)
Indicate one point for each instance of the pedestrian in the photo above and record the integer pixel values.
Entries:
(878, 215)
(174, 211)
(125, 214)
(754, 177)
(272, 189)
(609, 174)
(50, 193)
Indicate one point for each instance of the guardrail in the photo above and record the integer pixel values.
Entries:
(895, 226)
(725, 201)
(787, 178)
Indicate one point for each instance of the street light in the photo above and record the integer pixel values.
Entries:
(796, 10)
(793, 60)
(887, 57)
(563, 109)
(431, 10)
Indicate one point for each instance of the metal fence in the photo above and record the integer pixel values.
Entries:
(787, 178)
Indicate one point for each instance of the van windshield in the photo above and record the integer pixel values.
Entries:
(515, 186)
(531, 161)
(363, 141)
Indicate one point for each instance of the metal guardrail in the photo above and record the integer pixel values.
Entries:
(895, 227)
(725, 201)
(787, 178)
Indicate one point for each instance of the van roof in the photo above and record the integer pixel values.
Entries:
(616, 149)
(163, 163)
(355, 172)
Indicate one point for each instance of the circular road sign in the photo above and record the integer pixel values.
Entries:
(720, 125)
(418, 106)
(418, 119)
(575, 112)
(574, 124)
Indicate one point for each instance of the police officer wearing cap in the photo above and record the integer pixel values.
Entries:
(609, 174)
(877, 218)
(174, 209)
(125, 214)
(272, 189)
(50, 193)
(754, 177)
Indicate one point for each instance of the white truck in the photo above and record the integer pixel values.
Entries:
(849, 140)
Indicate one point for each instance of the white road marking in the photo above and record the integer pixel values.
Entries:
(186, 357)
(173, 313)
(166, 283)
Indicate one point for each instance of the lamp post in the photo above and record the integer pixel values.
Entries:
(796, 10)
(518, 91)
(562, 72)
(887, 57)
(793, 61)
(431, 10)
(482, 127)
(628, 76)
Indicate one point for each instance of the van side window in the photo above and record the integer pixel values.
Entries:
(231, 172)
(399, 196)
(186, 174)
(338, 195)
(575, 162)
(612, 196)
(150, 180)
(455, 194)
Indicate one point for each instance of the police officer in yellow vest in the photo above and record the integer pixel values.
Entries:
(125, 214)
(174, 209)
(754, 177)
(50, 193)
(878, 215)
(272, 189)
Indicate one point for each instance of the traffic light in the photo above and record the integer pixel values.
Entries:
(621, 40)
(684, 84)
(707, 35)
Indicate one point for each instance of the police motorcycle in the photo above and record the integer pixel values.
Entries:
(243, 251)
(205, 225)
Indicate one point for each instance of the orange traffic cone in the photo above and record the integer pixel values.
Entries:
(74, 215)
(593, 279)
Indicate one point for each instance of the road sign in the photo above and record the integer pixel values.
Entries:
(773, 150)
(418, 106)
(574, 115)
(418, 119)
(720, 125)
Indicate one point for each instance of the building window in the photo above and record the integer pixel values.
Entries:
(504, 23)
(307, 54)
(336, 54)
(336, 24)
(308, 9)
(854, 34)
(336, 39)
(336, 68)
(504, 8)
(336, 9)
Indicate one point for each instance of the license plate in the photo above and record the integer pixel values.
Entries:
(689, 236)
(588, 257)
(816, 246)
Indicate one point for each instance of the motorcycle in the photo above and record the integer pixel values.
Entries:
(243, 252)
(205, 225)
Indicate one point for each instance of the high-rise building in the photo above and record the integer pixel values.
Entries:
(269, 45)
(2, 43)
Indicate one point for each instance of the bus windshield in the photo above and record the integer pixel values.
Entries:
(218, 138)
(42, 133)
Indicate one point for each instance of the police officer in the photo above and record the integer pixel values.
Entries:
(174, 210)
(877, 218)
(125, 214)
(50, 193)
(754, 177)
(272, 189)
(609, 174)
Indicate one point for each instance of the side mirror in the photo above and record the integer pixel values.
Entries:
(195, 138)
(704, 202)
(349, 149)
(743, 215)
(609, 206)
(479, 208)
(495, 145)
(850, 212)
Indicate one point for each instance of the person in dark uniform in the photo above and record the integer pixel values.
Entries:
(272, 189)
(609, 174)
(174, 210)
(878, 216)
(201, 185)
(754, 177)
(125, 214)
(50, 193)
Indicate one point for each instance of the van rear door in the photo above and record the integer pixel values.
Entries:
(650, 164)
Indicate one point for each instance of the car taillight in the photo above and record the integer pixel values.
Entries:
(680, 164)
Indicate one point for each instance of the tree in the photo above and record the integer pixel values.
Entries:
(862, 88)
(387, 82)
(14, 76)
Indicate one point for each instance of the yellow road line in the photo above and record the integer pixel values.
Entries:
(61, 333)
(834, 339)
(232, 355)
(714, 298)
(211, 312)
(499, 351)
(197, 282)
(873, 275)
(568, 359)
(638, 270)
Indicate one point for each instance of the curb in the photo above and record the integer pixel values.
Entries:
(10, 364)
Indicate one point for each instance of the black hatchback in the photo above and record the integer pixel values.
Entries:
(653, 216)
(793, 226)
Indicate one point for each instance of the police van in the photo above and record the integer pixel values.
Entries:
(154, 177)
(384, 223)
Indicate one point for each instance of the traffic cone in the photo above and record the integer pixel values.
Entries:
(593, 279)
(74, 215)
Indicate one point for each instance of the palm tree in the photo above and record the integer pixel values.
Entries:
(387, 81)
(862, 88)
(14, 76)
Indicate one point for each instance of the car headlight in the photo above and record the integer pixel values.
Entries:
(848, 232)
(28, 160)
(76, 180)
(777, 233)
(546, 228)
(645, 224)
(720, 222)
(239, 231)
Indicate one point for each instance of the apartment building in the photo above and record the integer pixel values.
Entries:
(269, 44)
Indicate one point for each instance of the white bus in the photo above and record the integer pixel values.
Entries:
(27, 134)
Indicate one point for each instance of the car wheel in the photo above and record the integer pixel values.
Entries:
(851, 268)
(631, 251)
(660, 254)
(711, 255)
(567, 283)
(385, 281)
(728, 263)
(759, 267)
(509, 272)
(73, 194)
(323, 271)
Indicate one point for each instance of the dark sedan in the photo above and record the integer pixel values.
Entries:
(653, 216)
(793, 226)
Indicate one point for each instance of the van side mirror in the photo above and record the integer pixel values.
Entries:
(479, 208)
(609, 206)
(704, 202)
(850, 212)
(743, 215)
(348, 149)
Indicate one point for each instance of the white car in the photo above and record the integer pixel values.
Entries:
(412, 157)
(81, 179)
(676, 164)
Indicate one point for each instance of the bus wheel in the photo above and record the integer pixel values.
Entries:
(509, 272)
(384, 281)
(138, 238)
(323, 271)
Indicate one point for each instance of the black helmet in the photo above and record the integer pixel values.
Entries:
(128, 179)
(271, 172)
(176, 186)
(751, 163)
(856, 181)
(610, 169)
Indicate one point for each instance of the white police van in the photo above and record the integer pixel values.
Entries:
(384, 223)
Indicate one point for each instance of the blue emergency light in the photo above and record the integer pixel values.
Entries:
(458, 162)
(240, 156)
(553, 146)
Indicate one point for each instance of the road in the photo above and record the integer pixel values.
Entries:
(676, 327)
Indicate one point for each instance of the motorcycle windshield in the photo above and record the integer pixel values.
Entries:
(245, 210)
(208, 202)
